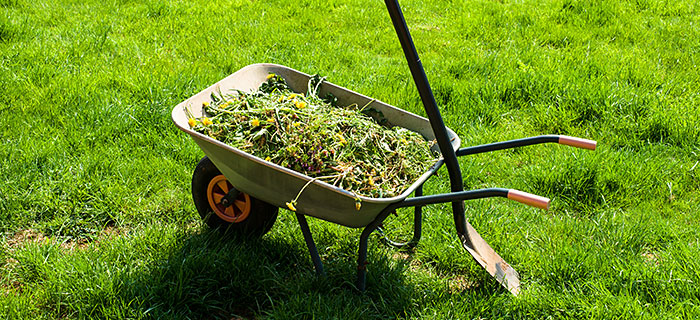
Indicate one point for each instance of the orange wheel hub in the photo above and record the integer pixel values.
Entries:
(236, 211)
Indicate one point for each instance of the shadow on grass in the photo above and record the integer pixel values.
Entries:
(210, 275)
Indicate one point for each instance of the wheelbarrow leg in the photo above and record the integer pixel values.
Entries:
(362, 252)
(362, 258)
(417, 220)
(315, 258)
(417, 227)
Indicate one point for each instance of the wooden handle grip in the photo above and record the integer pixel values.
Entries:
(577, 142)
(529, 199)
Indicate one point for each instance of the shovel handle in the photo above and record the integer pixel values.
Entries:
(528, 199)
(577, 142)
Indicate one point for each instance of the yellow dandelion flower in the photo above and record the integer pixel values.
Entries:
(269, 76)
(340, 138)
(280, 99)
(292, 96)
(270, 120)
(300, 104)
(192, 122)
(255, 122)
(205, 104)
(206, 121)
(291, 206)
(296, 124)
(267, 158)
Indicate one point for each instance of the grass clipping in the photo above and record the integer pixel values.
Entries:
(343, 146)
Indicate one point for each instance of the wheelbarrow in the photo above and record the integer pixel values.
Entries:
(235, 190)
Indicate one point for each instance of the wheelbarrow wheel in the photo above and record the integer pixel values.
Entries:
(232, 213)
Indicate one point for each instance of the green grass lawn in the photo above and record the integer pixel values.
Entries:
(96, 216)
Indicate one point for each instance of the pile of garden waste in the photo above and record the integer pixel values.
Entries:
(343, 146)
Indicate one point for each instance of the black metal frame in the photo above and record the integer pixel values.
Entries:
(457, 194)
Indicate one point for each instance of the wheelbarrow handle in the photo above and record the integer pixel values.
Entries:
(512, 194)
(529, 199)
(577, 142)
(565, 140)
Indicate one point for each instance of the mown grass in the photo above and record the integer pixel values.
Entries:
(97, 220)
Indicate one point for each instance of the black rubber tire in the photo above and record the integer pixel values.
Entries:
(262, 214)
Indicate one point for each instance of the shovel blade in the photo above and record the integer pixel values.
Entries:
(490, 260)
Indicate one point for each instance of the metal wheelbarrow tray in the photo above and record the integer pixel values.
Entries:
(251, 189)
(275, 184)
